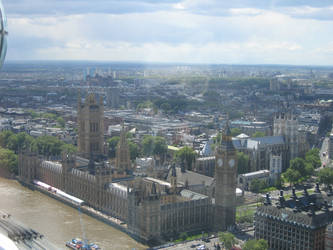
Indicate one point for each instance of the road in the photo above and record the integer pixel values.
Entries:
(325, 161)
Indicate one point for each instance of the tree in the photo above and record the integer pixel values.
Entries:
(68, 148)
(292, 176)
(19, 141)
(183, 236)
(160, 146)
(61, 122)
(243, 163)
(235, 131)
(48, 146)
(312, 157)
(258, 134)
(154, 145)
(257, 185)
(185, 155)
(112, 146)
(325, 176)
(4, 137)
(8, 160)
(134, 150)
(255, 245)
(298, 171)
(228, 239)
(148, 145)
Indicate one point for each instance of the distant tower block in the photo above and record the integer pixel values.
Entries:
(226, 181)
(113, 97)
(90, 119)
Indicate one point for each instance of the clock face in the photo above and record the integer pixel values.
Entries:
(232, 163)
(220, 162)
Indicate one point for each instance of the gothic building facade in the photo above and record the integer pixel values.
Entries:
(153, 209)
(226, 182)
(90, 120)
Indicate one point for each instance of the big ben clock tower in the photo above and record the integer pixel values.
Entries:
(226, 182)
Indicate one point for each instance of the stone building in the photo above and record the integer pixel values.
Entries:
(123, 161)
(261, 150)
(286, 125)
(286, 144)
(205, 165)
(226, 182)
(153, 209)
(297, 223)
(90, 120)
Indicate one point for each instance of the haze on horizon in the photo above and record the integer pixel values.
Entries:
(172, 31)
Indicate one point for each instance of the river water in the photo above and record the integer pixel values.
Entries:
(58, 222)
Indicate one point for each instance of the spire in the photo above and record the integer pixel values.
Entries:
(153, 189)
(226, 129)
(123, 135)
(173, 171)
(91, 165)
(226, 142)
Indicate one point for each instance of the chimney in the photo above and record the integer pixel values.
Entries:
(281, 200)
(317, 190)
(294, 196)
(268, 200)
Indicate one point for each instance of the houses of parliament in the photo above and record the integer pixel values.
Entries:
(152, 209)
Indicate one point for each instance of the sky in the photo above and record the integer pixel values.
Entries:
(298, 32)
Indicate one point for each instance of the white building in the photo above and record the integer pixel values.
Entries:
(244, 180)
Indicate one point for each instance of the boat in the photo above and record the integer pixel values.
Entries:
(78, 244)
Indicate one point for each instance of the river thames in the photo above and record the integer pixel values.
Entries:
(58, 222)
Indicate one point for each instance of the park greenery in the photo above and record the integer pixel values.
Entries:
(154, 145)
(228, 239)
(185, 156)
(325, 176)
(301, 169)
(134, 149)
(8, 160)
(11, 144)
(190, 236)
(257, 185)
(255, 245)
(258, 134)
(245, 214)
(312, 157)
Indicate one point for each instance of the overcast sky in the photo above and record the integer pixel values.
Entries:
(189, 31)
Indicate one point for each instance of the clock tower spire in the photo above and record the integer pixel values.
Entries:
(226, 181)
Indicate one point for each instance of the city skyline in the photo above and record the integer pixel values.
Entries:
(170, 31)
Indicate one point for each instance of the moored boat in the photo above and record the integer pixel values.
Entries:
(78, 244)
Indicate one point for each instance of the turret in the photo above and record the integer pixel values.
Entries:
(173, 179)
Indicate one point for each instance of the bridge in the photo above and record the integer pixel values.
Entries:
(20, 236)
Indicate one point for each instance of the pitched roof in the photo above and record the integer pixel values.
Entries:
(192, 178)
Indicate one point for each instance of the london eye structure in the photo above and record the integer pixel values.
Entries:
(3, 35)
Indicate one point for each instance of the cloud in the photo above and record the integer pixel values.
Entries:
(198, 31)
(202, 7)
(307, 12)
(70, 7)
